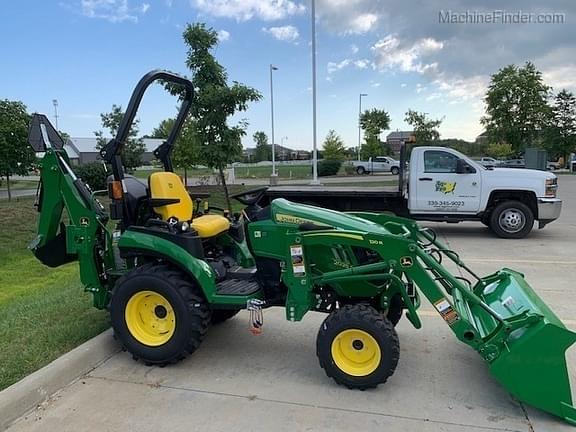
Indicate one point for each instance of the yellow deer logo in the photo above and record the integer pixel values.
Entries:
(445, 187)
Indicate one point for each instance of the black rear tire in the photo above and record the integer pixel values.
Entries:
(221, 315)
(395, 170)
(395, 309)
(353, 329)
(511, 220)
(184, 304)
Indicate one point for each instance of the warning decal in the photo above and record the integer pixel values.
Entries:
(297, 259)
(446, 311)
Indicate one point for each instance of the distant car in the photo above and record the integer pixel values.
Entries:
(489, 162)
(513, 163)
(377, 164)
(552, 166)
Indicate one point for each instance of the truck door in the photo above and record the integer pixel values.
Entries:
(381, 164)
(445, 183)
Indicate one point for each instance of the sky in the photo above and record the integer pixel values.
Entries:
(432, 56)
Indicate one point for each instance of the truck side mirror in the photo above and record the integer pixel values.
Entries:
(462, 167)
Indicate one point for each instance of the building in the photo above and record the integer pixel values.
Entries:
(281, 153)
(395, 140)
(482, 138)
(83, 150)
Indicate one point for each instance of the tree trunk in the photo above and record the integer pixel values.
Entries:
(186, 177)
(225, 186)
(8, 187)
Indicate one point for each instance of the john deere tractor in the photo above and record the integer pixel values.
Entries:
(167, 268)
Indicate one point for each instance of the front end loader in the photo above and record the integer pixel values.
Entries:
(167, 268)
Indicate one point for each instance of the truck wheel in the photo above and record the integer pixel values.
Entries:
(360, 170)
(357, 347)
(511, 219)
(395, 309)
(395, 170)
(221, 315)
(158, 314)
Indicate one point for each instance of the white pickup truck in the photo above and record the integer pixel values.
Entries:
(377, 164)
(445, 185)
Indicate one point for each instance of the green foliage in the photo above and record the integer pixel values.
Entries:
(425, 129)
(373, 122)
(328, 167)
(499, 150)
(333, 147)
(94, 174)
(133, 147)
(561, 134)
(214, 102)
(372, 148)
(16, 156)
(517, 107)
(263, 150)
(466, 147)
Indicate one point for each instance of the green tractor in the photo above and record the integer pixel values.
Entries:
(167, 268)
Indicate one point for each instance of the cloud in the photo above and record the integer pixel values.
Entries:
(244, 10)
(390, 53)
(349, 16)
(362, 63)
(223, 35)
(114, 11)
(354, 48)
(336, 66)
(286, 33)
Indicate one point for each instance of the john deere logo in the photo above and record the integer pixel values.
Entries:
(406, 261)
(445, 187)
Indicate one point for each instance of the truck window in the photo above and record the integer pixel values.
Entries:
(438, 161)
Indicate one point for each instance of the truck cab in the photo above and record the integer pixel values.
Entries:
(447, 185)
(377, 164)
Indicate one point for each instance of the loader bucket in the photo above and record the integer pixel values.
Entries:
(526, 349)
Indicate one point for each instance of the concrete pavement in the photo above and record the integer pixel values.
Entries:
(239, 382)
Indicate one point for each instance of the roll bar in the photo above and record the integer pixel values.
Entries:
(112, 151)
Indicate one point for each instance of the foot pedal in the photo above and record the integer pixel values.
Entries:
(256, 322)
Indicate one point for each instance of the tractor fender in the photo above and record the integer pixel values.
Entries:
(143, 244)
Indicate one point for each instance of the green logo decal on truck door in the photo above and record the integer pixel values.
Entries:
(445, 187)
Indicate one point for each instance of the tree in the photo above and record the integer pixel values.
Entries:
(333, 147)
(425, 129)
(373, 122)
(372, 148)
(499, 150)
(517, 109)
(561, 136)
(16, 156)
(214, 102)
(263, 151)
(186, 149)
(133, 147)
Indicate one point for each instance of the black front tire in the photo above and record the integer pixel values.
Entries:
(395, 309)
(221, 315)
(365, 320)
(511, 220)
(187, 306)
(360, 170)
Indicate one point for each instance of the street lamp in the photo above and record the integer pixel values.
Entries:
(359, 125)
(55, 103)
(272, 68)
(314, 152)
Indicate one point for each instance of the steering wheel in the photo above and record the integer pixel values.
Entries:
(250, 197)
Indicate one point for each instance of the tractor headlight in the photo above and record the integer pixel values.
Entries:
(551, 187)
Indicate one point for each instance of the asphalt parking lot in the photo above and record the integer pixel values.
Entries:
(239, 382)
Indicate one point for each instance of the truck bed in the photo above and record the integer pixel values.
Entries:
(343, 198)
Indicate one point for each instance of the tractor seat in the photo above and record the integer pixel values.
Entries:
(168, 186)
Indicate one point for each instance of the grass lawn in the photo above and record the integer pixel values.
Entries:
(283, 171)
(19, 184)
(44, 311)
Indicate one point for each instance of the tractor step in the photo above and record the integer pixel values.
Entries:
(241, 273)
(237, 287)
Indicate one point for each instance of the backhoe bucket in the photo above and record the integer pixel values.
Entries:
(525, 343)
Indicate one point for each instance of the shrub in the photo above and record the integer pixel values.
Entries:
(94, 174)
(328, 167)
(349, 169)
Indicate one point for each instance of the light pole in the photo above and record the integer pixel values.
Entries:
(359, 126)
(314, 152)
(273, 179)
(55, 103)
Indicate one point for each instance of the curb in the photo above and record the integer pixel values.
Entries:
(28, 393)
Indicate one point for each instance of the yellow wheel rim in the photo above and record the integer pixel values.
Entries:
(150, 318)
(356, 352)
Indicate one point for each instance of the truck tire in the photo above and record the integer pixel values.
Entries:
(395, 170)
(360, 170)
(511, 220)
(357, 347)
(221, 315)
(395, 309)
(158, 314)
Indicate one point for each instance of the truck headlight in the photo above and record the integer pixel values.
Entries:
(551, 187)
